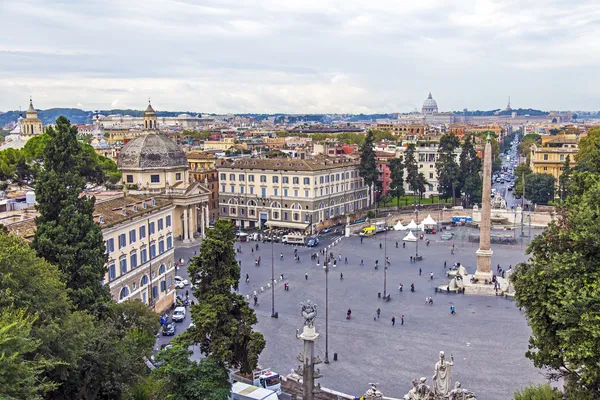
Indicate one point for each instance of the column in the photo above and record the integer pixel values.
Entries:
(202, 218)
(185, 222)
(207, 217)
(192, 222)
(484, 254)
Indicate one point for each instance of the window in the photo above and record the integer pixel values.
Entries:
(132, 236)
(160, 224)
(562, 157)
(133, 259)
(124, 293)
(296, 216)
(263, 192)
(241, 178)
(545, 168)
(545, 157)
(321, 180)
(170, 280)
(306, 193)
(431, 175)
(250, 178)
(327, 179)
(168, 221)
(110, 245)
(295, 192)
(112, 272)
(285, 179)
(178, 176)
(285, 216)
(296, 180)
(142, 232)
(251, 189)
(232, 188)
(252, 212)
(154, 178)
(154, 291)
(223, 190)
(307, 181)
(162, 269)
(275, 192)
(224, 210)
(263, 178)
(242, 189)
(122, 241)
(129, 178)
(232, 177)
(169, 242)
(144, 281)
(161, 246)
(123, 265)
(223, 176)
(285, 192)
(152, 250)
(163, 286)
(275, 179)
(144, 255)
(275, 215)
(151, 228)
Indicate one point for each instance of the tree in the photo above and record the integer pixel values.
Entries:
(540, 188)
(397, 175)
(368, 165)
(541, 392)
(412, 168)
(179, 378)
(421, 185)
(223, 320)
(557, 289)
(526, 143)
(470, 168)
(588, 156)
(66, 233)
(448, 171)
(563, 181)
(523, 171)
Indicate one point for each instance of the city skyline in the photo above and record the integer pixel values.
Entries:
(306, 57)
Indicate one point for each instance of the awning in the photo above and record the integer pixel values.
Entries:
(284, 224)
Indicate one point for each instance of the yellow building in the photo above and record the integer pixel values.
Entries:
(219, 145)
(549, 157)
(154, 165)
(203, 168)
(139, 236)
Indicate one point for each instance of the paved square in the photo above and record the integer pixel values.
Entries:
(488, 336)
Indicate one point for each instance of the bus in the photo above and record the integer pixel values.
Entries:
(368, 231)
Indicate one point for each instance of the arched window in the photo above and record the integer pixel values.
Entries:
(145, 280)
(251, 203)
(296, 206)
(232, 201)
(162, 269)
(321, 205)
(124, 293)
(275, 204)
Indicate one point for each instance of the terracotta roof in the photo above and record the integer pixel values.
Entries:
(24, 229)
(196, 155)
(313, 164)
(112, 210)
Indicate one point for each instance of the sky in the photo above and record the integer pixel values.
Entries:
(300, 56)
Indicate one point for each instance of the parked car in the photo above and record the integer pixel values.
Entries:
(180, 279)
(326, 230)
(179, 285)
(179, 314)
(168, 329)
(312, 242)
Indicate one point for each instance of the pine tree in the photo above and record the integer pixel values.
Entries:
(223, 319)
(66, 233)
(448, 171)
(412, 169)
(368, 165)
(397, 175)
(470, 169)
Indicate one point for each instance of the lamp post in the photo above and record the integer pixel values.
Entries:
(273, 314)
(417, 242)
(385, 264)
(326, 268)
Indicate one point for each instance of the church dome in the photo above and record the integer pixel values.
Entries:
(430, 105)
(151, 151)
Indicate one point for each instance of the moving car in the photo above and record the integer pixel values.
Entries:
(312, 242)
(168, 329)
(326, 230)
(180, 279)
(179, 285)
(179, 314)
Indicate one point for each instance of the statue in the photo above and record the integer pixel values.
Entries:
(309, 312)
(373, 393)
(420, 390)
(458, 393)
(507, 285)
(441, 378)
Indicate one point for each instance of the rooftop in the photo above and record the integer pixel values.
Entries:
(121, 209)
(286, 164)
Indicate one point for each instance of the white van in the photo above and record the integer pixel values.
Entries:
(298, 240)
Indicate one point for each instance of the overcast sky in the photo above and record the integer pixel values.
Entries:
(300, 56)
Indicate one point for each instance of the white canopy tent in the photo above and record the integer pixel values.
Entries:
(410, 237)
(412, 225)
(429, 221)
(399, 226)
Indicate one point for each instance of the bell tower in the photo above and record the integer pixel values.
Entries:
(150, 118)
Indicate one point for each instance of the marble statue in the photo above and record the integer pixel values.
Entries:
(442, 377)
(309, 312)
(458, 393)
(507, 285)
(420, 390)
(373, 393)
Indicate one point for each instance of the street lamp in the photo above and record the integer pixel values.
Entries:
(417, 242)
(273, 313)
(326, 268)
(385, 264)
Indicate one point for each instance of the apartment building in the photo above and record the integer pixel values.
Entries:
(290, 193)
(202, 167)
(550, 156)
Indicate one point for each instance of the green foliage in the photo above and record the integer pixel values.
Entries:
(180, 378)
(558, 290)
(66, 233)
(522, 170)
(539, 188)
(588, 156)
(448, 170)
(397, 175)
(541, 392)
(412, 168)
(371, 214)
(276, 154)
(223, 320)
(526, 143)
(368, 165)
(202, 135)
(14, 167)
(380, 135)
(564, 180)
(470, 166)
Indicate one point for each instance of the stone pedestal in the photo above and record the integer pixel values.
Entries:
(484, 265)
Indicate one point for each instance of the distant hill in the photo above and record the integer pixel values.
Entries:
(489, 113)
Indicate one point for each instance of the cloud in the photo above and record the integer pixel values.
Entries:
(317, 56)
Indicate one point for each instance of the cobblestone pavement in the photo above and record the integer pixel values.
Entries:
(488, 335)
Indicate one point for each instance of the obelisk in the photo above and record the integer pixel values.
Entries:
(484, 254)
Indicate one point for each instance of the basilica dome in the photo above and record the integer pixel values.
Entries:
(429, 106)
(151, 151)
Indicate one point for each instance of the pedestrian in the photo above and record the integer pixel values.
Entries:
(411, 260)
(335, 263)
(444, 264)
(378, 312)
(252, 250)
(281, 256)
(255, 300)
(298, 259)
(431, 300)
(404, 245)
(396, 244)
(402, 320)
(194, 253)
(362, 263)
(393, 321)
(361, 239)
(281, 276)
(306, 276)
(187, 293)
(400, 287)
(192, 303)
(452, 310)
(431, 275)
(341, 276)
(420, 270)
(340, 257)
(380, 246)
(452, 251)
(426, 300)
(247, 278)
(345, 260)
